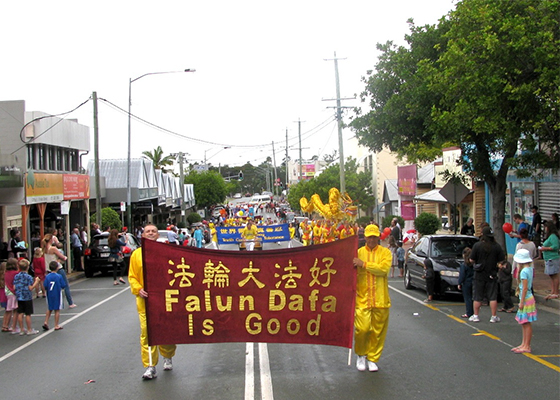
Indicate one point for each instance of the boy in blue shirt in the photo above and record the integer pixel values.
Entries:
(54, 283)
(24, 286)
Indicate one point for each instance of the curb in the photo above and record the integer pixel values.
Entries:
(552, 303)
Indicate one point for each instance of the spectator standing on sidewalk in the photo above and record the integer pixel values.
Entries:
(39, 269)
(76, 243)
(521, 224)
(468, 228)
(526, 244)
(488, 254)
(549, 251)
(535, 232)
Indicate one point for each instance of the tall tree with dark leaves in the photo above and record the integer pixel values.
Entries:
(485, 78)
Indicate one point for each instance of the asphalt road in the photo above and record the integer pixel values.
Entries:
(430, 353)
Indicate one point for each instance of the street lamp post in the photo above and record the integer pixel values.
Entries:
(128, 194)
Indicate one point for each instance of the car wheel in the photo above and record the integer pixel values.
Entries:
(407, 279)
(88, 272)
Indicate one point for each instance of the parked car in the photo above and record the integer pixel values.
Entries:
(237, 196)
(444, 253)
(96, 255)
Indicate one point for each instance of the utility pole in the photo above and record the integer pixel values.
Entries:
(182, 185)
(274, 161)
(299, 135)
(339, 120)
(96, 161)
(286, 164)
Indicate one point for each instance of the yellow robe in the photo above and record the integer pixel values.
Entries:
(372, 302)
(136, 280)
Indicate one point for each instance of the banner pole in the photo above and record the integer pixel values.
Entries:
(349, 356)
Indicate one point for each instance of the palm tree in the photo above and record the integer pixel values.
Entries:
(160, 162)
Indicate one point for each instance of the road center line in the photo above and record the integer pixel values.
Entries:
(249, 371)
(41, 336)
(266, 378)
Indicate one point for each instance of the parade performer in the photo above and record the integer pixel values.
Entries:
(306, 231)
(372, 300)
(317, 231)
(249, 235)
(150, 354)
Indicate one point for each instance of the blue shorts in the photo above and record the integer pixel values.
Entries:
(552, 267)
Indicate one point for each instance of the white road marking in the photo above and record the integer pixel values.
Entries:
(43, 335)
(264, 368)
(266, 378)
(249, 372)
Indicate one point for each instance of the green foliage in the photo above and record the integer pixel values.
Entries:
(209, 188)
(485, 78)
(161, 226)
(363, 220)
(426, 223)
(387, 221)
(358, 186)
(109, 217)
(181, 224)
(193, 217)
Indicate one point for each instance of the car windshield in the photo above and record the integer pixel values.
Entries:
(451, 247)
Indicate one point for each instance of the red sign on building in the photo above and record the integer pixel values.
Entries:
(76, 186)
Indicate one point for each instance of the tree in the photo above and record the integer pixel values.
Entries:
(109, 217)
(209, 187)
(485, 79)
(160, 162)
(426, 223)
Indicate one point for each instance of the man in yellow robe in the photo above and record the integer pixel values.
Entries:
(150, 354)
(372, 300)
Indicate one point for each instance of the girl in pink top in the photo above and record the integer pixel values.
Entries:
(40, 270)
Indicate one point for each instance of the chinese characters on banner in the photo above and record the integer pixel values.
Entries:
(297, 295)
(267, 233)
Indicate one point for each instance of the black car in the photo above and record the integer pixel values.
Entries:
(444, 253)
(96, 256)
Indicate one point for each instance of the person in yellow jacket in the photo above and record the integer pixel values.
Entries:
(372, 300)
(249, 234)
(213, 232)
(136, 279)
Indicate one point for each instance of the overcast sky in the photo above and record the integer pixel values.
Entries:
(260, 66)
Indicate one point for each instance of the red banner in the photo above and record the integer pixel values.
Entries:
(297, 295)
